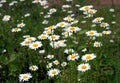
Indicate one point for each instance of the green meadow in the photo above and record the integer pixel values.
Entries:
(59, 41)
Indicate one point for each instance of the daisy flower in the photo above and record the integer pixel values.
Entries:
(73, 57)
(36, 1)
(63, 64)
(97, 44)
(72, 29)
(35, 45)
(33, 68)
(25, 43)
(88, 57)
(68, 19)
(25, 77)
(53, 72)
(63, 24)
(30, 39)
(106, 32)
(16, 29)
(21, 25)
(86, 8)
(91, 33)
(54, 37)
(98, 20)
(103, 24)
(49, 65)
(6, 18)
(50, 56)
(56, 62)
(68, 51)
(42, 36)
(83, 67)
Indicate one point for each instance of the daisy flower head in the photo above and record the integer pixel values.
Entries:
(25, 43)
(66, 34)
(83, 67)
(52, 27)
(68, 51)
(49, 65)
(30, 39)
(33, 68)
(106, 32)
(43, 36)
(25, 77)
(103, 24)
(72, 29)
(73, 57)
(91, 33)
(6, 18)
(35, 45)
(69, 19)
(21, 25)
(92, 11)
(88, 57)
(48, 31)
(63, 24)
(41, 51)
(36, 1)
(54, 37)
(63, 64)
(56, 62)
(16, 29)
(53, 72)
(50, 56)
(97, 44)
(86, 8)
(98, 20)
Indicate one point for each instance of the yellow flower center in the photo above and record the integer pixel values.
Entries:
(97, 44)
(25, 77)
(43, 36)
(73, 57)
(53, 37)
(88, 57)
(15, 29)
(54, 72)
(68, 19)
(35, 45)
(98, 19)
(51, 27)
(91, 33)
(103, 24)
(62, 24)
(72, 28)
(30, 39)
(83, 67)
(86, 7)
(26, 42)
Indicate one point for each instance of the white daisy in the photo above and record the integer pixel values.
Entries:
(88, 57)
(98, 20)
(16, 29)
(6, 18)
(25, 77)
(97, 44)
(35, 45)
(33, 68)
(73, 57)
(43, 36)
(83, 67)
(53, 72)
(91, 33)
(56, 62)
(54, 37)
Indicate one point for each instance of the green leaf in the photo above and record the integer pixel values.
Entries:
(83, 31)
